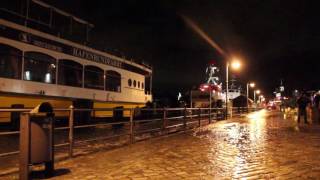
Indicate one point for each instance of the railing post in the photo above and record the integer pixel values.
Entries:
(185, 118)
(210, 115)
(164, 120)
(71, 127)
(24, 157)
(199, 117)
(131, 127)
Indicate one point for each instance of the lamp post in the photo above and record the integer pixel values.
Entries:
(251, 85)
(235, 64)
(227, 89)
(260, 98)
(254, 95)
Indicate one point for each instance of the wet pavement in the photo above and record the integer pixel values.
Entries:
(263, 145)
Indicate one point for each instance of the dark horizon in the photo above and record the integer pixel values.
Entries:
(276, 40)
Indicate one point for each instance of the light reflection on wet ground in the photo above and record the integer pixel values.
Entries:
(262, 145)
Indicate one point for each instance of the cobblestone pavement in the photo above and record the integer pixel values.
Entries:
(262, 145)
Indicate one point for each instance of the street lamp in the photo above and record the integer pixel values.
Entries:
(254, 95)
(260, 98)
(235, 64)
(252, 86)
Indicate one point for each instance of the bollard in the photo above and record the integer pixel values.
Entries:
(71, 128)
(131, 127)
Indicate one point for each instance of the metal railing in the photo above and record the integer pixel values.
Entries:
(133, 122)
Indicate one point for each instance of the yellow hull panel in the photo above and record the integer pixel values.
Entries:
(31, 102)
(126, 113)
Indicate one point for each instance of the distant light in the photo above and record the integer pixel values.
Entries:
(205, 86)
(252, 85)
(28, 75)
(281, 88)
(48, 78)
(258, 91)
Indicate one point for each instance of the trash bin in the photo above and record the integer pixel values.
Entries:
(36, 140)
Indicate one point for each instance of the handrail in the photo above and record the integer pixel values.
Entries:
(170, 118)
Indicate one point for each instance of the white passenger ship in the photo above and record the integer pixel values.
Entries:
(38, 62)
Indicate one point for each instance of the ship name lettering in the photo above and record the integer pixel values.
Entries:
(95, 57)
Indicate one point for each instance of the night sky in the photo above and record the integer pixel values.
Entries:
(275, 39)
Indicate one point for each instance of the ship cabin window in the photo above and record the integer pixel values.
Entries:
(70, 73)
(134, 83)
(138, 84)
(39, 67)
(93, 77)
(10, 62)
(129, 82)
(113, 81)
(142, 86)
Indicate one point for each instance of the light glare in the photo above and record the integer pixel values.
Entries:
(235, 64)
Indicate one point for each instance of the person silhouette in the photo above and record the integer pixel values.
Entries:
(302, 103)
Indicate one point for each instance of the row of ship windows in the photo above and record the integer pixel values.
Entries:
(135, 84)
(43, 68)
